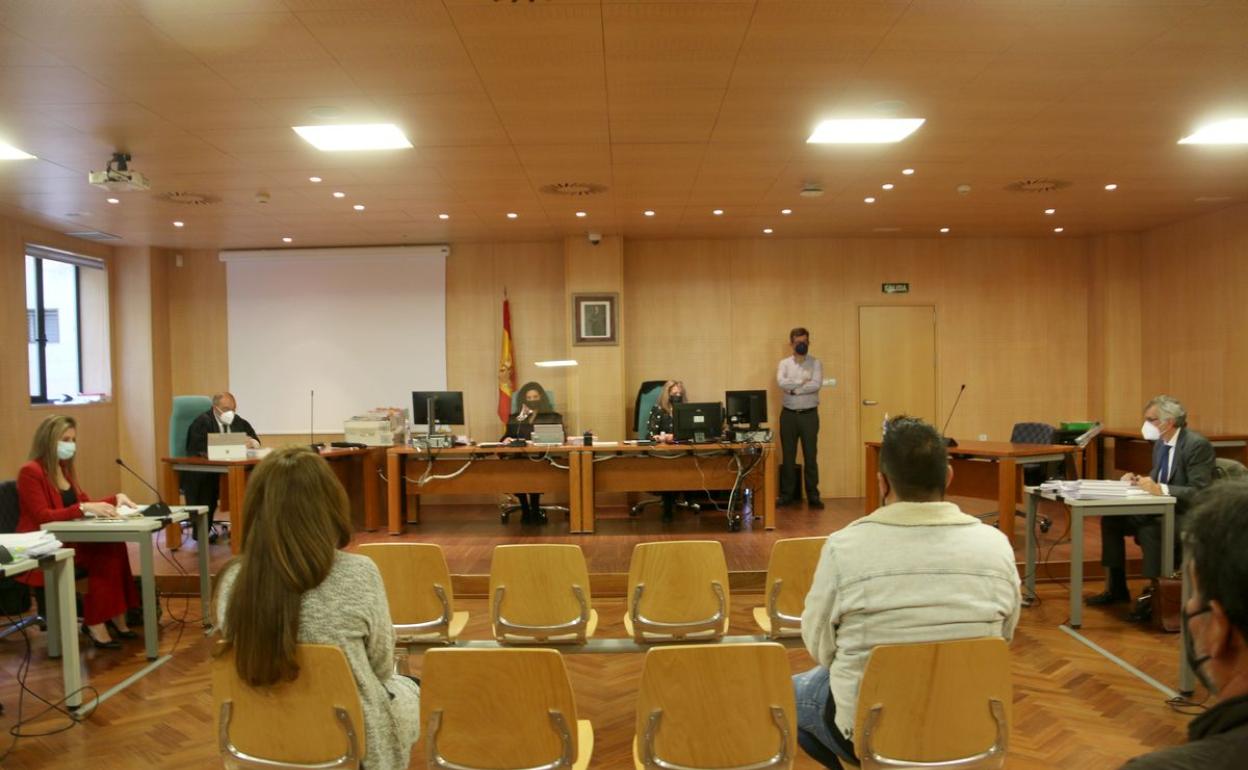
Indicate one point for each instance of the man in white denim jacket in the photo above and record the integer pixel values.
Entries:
(916, 570)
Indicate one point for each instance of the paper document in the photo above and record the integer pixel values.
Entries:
(1093, 489)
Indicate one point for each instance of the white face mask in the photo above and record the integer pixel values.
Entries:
(1150, 432)
(65, 450)
(227, 417)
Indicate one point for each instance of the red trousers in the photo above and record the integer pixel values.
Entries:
(110, 584)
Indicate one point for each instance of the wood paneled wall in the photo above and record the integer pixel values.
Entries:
(1115, 344)
(97, 423)
(1011, 324)
(1193, 303)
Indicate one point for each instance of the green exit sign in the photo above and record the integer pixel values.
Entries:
(895, 288)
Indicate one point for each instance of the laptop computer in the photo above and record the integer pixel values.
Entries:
(227, 446)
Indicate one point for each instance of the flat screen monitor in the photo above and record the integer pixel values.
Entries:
(699, 422)
(746, 407)
(448, 407)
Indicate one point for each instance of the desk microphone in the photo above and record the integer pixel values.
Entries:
(158, 509)
(948, 441)
(312, 418)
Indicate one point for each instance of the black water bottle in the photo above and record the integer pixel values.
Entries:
(588, 438)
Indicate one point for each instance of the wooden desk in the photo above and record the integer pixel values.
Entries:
(675, 468)
(481, 470)
(1130, 452)
(366, 462)
(985, 469)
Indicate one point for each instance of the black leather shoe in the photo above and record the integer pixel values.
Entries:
(117, 632)
(111, 644)
(817, 504)
(1142, 613)
(1106, 597)
(783, 502)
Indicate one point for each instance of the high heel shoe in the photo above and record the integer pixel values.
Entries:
(111, 644)
(117, 632)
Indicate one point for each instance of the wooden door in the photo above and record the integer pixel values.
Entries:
(896, 365)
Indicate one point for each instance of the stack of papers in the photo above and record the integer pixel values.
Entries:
(30, 545)
(1093, 489)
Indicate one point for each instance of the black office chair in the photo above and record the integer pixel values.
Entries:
(14, 594)
(1035, 474)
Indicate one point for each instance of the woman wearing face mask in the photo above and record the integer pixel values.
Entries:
(661, 427)
(48, 490)
(533, 401)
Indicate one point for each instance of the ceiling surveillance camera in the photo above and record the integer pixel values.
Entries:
(594, 238)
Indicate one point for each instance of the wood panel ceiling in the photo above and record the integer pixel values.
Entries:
(678, 107)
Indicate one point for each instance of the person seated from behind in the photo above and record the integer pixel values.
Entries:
(533, 401)
(916, 570)
(293, 584)
(661, 427)
(1215, 619)
(47, 491)
(205, 488)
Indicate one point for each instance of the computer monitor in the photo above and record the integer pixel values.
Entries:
(448, 407)
(699, 422)
(746, 407)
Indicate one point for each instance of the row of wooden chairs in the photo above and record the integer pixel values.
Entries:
(703, 707)
(540, 593)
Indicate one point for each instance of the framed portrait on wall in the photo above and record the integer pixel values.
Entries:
(594, 319)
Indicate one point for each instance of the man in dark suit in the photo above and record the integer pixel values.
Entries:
(1183, 462)
(204, 488)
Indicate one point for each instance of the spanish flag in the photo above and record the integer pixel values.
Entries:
(506, 366)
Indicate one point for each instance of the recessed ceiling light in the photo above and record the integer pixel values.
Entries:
(1059, 229)
(444, 216)
(113, 201)
(908, 171)
(944, 230)
(1050, 212)
(358, 207)
(868, 200)
(864, 130)
(717, 212)
(648, 212)
(314, 179)
(287, 239)
(582, 214)
(786, 212)
(1233, 131)
(366, 136)
(512, 215)
(767, 231)
(179, 224)
(340, 194)
(9, 152)
(886, 186)
(1111, 187)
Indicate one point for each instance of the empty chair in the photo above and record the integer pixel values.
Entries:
(946, 702)
(313, 721)
(418, 590)
(508, 708)
(540, 593)
(716, 706)
(789, 573)
(677, 590)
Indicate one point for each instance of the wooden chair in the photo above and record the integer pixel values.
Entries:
(789, 573)
(314, 721)
(510, 708)
(540, 593)
(716, 706)
(945, 704)
(418, 590)
(677, 590)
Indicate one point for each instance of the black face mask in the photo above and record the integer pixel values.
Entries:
(533, 405)
(1189, 647)
(677, 399)
(801, 348)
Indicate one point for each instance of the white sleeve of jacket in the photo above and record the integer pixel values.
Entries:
(821, 614)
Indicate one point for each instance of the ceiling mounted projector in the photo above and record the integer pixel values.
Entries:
(117, 176)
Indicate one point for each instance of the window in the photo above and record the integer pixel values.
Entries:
(66, 326)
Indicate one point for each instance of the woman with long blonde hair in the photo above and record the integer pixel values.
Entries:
(294, 584)
(661, 427)
(47, 491)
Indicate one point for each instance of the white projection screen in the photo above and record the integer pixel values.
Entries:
(362, 327)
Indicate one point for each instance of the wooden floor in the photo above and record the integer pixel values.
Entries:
(1073, 709)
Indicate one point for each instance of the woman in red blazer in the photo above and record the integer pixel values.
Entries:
(47, 491)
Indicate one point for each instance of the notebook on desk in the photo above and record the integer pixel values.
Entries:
(227, 446)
